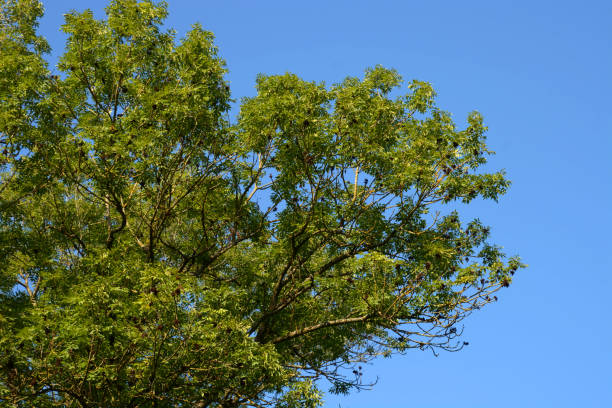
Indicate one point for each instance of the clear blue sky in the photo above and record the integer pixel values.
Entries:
(541, 74)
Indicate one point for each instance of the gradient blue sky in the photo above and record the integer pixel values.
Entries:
(540, 73)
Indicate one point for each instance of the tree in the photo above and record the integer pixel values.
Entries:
(156, 254)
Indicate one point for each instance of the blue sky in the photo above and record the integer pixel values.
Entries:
(540, 73)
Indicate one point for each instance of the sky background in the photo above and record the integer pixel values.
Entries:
(540, 73)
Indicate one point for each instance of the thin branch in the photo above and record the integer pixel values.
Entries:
(306, 330)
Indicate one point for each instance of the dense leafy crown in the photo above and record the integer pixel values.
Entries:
(154, 254)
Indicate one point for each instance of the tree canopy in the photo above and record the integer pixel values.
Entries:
(156, 253)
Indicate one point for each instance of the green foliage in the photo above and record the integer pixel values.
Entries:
(156, 255)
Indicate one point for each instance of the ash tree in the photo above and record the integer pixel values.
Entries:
(154, 253)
